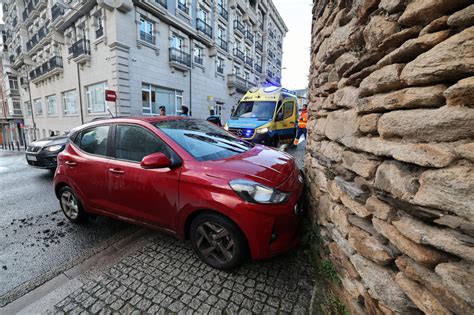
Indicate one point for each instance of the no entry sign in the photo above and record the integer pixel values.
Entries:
(110, 96)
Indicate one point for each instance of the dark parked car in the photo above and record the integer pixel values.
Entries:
(186, 177)
(44, 153)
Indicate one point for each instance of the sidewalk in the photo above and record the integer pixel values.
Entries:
(160, 274)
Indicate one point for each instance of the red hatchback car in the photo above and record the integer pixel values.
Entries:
(186, 177)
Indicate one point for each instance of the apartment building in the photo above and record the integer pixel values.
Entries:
(202, 53)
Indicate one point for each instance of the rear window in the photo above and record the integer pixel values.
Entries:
(203, 140)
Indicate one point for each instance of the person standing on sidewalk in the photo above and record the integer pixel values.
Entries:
(302, 121)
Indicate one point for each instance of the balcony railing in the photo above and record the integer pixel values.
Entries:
(239, 54)
(249, 61)
(198, 60)
(147, 37)
(81, 47)
(42, 32)
(239, 26)
(271, 34)
(53, 63)
(239, 83)
(32, 4)
(162, 3)
(99, 32)
(56, 11)
(259, 46)
(249, 36)
(183, 7)
(222, 43)
(204, 27)
(258, 68)
(279, 45)
(271, 55)
(180, 56)
(222, 11)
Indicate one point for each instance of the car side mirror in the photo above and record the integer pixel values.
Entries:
(155, 160)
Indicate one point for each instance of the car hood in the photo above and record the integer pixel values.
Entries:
(250, 123)
(50, 141)
(260, 164)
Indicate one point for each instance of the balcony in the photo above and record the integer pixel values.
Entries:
(163, 3)
(80, 51)
(202, 26)
(222, 44)
(239, 27)
(56, 12)
(179, 59)
(249, 61)
(249, 36)
(183, 7)
(278, 62)
(271, 34)
(279, 45)
(259, 46)
(258, 68)
(271, 55)
(42, 32)
(147, 37)
(222, 12)
(99, 32)
(47, 69)
(239, 84)
(239, 54)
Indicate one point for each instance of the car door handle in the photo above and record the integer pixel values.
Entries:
(70, 163)
(116, 171)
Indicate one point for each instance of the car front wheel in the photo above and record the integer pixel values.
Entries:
(218, 241)
(71, 206)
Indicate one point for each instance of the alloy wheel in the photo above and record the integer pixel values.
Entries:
(215, 243)
(70, 205)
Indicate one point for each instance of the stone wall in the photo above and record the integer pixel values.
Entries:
(390, 154)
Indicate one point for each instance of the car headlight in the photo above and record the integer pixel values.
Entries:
(263, 130)
(226, 127)
(54, 148)
(258, 193)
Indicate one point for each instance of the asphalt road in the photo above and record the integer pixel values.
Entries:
(36, 241)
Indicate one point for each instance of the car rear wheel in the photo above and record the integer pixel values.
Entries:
(218, 241)
(71, 206)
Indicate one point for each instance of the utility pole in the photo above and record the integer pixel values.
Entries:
(31, 103)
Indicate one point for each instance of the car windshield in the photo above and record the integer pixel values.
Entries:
(203, 140)
(258, 109)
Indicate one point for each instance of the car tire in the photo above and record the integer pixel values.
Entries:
(218, 241)
(71, 206)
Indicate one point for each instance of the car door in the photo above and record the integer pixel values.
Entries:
(86, 165)
(286, 120)
(147, 195)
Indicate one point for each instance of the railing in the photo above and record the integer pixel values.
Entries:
(239, 54)
(239, 26)
(80, 47)
(258, 68)
(249, 36)
(198, 60)
(239, 83)
(203, 27)
(180, 56)
(56, 11)
(259, 46)
(162, 3)
(279, 45)
(222, 43)
(99, 32)
(147, 37)
(271, 34)
(249, 61)
(271, 55)
(53, 63)
(222, 11)
(42, 32)
(183, 7)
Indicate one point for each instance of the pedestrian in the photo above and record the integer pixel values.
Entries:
(302, 121)
(162, 111)
(184, 111)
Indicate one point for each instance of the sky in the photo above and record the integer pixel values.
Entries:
(297, 15)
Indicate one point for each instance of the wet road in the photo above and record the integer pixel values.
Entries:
(36, 241)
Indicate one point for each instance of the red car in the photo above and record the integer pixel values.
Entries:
(186, 177)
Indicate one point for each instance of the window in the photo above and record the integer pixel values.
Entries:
(154, 97)
(177, 42)
(13, 83)
(93, 140)
(69, 103)
(16, 108)
(198, 55)
(203, 15)
(134, 143)
(288, 109)
(221, 33)
(146, 31)
(237, 71)
(220, 65)
(51, 105)
(28, 108)
(38, 107)
(96, 98)
(182, 5)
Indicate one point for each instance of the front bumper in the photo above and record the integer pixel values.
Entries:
(43, 160)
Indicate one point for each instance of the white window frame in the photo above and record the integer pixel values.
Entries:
(66, 100)
(36, 102)
(90, 109)
(49, 107)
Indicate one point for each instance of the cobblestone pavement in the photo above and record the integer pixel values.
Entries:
(165, 277)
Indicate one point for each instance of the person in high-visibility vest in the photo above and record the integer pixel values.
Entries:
(302, 121)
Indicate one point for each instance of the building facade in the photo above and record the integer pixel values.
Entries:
(203, 54)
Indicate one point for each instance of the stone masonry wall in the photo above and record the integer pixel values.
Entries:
(390, 154)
